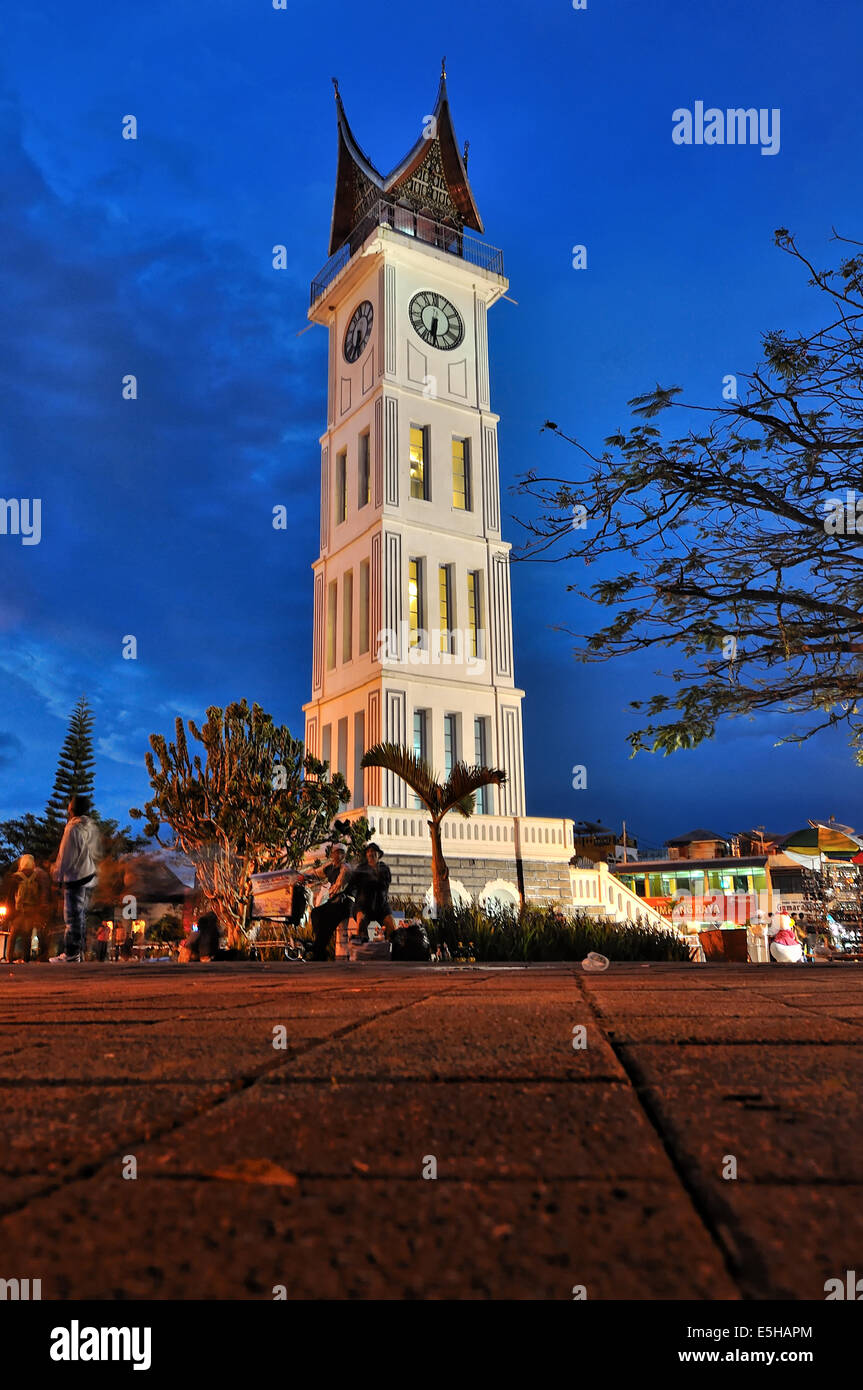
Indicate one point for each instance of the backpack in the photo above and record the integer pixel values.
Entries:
(28, 894)
(411, 942)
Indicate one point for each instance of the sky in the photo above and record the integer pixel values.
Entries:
(154, 257)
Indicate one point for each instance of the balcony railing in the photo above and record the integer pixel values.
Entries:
(409, 224)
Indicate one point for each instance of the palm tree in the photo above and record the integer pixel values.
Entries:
(455, 794)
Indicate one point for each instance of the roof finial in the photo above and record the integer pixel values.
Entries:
(443, 66)
(335, 82)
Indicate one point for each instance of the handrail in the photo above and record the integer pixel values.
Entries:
(404, 220)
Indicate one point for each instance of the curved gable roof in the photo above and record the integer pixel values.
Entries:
(433, 160)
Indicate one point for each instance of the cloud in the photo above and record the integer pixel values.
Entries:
(11, 748)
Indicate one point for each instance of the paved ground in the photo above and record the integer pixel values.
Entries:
(557, 1166)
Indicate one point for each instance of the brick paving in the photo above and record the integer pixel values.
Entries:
(557, 1166)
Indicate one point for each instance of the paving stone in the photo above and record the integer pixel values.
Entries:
(793, 1239)
(506, 1129)
(366, 1239)
(782, 1115)
(528, 1040)
(49, 1130)
(752, 1028)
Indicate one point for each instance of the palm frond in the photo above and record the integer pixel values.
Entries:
(416, 772)
(457, 792)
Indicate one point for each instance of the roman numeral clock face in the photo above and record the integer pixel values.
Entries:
(358, 331)
(435, 320)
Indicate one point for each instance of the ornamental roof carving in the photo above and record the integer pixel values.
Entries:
(431, 179)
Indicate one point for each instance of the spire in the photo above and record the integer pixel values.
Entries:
(431, 179)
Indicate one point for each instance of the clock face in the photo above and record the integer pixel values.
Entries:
(358, 331)
(437, 322)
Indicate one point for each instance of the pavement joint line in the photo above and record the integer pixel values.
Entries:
(736, 1254)
(233, 1087)
(734, 1042)
(474, 1179)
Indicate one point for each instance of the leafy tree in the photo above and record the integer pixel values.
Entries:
(737, 544)
(75, 768)
(254, 802)
(455, 794)
(27, 834)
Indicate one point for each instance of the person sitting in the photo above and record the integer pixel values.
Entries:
(784, 944)
(330, 916)
(208, 937)
(371, 885)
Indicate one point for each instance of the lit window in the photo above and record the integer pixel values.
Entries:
(415, 602)
(444, 585)
(461, 475)
(419, 446)
(474, 612)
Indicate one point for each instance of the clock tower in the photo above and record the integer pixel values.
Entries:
(412, 638)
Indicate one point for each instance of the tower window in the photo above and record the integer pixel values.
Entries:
(474, 612)
(419, 453)
(332, 605)
(364, 481)
(416, 602)
(445, 591)
(364, 606)
(348, 616)
(480, 755)
(341, 487)
(450, 742)
(420, 740)
(461, 498)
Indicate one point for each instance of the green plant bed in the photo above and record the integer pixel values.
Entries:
(541, 934)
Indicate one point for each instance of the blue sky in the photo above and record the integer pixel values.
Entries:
(154, 257)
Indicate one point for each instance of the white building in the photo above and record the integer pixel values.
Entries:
(413, 640)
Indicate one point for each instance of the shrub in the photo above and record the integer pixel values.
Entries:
(539, 932)
(168, 928)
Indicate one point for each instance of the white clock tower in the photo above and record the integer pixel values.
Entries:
(413, 635)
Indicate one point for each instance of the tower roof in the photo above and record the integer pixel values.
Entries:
(431, 179)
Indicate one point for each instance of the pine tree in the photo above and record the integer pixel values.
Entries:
(74, 768)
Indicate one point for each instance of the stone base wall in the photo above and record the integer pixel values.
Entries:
(544, 880)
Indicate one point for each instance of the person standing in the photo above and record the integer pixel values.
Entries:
(371, 885)
(103, 938)
(328, 917)
(75, 871)
(119, 939)
(31, 908)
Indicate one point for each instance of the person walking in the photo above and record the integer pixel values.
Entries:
(103, 938)
(330, 916)
(75, 871)
(371, 886)
(32, 896)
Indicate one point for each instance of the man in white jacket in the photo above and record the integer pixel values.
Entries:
(75, 871)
